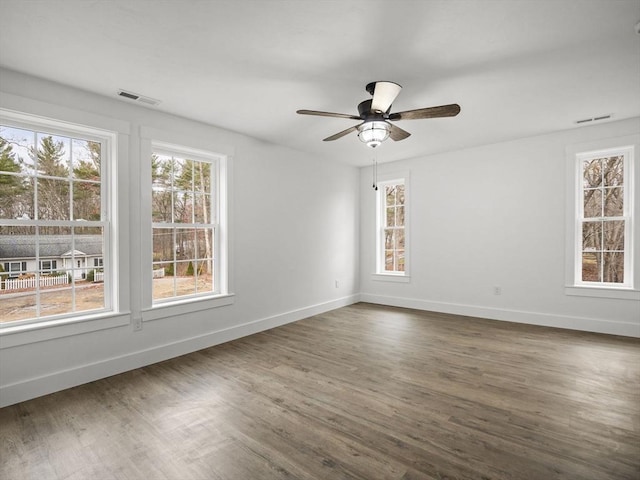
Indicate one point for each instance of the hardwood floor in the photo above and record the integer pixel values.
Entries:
(363, 392)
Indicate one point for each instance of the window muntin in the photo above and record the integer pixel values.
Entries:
(392, 227)
(53, 207)
(604, 229)
(185, 224)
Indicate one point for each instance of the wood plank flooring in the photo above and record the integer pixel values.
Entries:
(363, 392)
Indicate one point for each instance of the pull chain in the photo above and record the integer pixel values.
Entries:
(375, 170)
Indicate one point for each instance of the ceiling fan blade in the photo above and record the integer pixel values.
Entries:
(429, 112)
(328, 114)
(396, 133)
(341, 134)
(384, 94)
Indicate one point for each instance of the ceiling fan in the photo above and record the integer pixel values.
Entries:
(376, 115)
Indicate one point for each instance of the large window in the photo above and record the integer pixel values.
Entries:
(603, 250)
(185, 223)
(54, 211)
(391, 242)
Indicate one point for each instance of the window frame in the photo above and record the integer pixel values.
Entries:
(380, 223)
(186, 144)
(108, 139)
(627, 154)
(575, 155)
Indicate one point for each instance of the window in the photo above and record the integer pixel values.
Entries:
(15, 269)
(185, 219)
(392, 227)
(604, 230)
(48, 266)
(54, 210)
(98, 262)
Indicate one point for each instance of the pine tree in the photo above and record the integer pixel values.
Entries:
(11, 186)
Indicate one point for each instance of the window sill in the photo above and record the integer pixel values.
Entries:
(391, 277)
(190, 305)
(602, 292)
(15, 335)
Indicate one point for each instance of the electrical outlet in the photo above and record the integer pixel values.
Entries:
(497, 290)
(137, 324)
(337, 283)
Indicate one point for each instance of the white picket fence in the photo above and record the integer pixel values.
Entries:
(98, 276)
(18, 283)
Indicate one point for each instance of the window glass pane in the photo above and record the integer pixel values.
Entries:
(185, 278)
(592, 236)
(163, 286)
(204, 244)
(388, 238)
(613, 268)
(391, 217)
(161, 169)
(20, 305)
(400, 216)
(388, 260)
(161, 205)
(182, 207)
(591, 265)
(390, 192)
(53, 155)
(400, 261)
(613, 202)
(55, 301)
(614, 235)
(592, 203)
(613, 171)
(182, 173)
(185, 243)
(85, 160)
(400, 195)
(90, 295)
(53, 199)
(202, 208)
(592, 173)
(164, 244)
(202, 177)
(86, 201)
(17, 145)
(204, 277)
(399, 239)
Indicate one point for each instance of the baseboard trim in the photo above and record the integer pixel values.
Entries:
(61, 380)
(517, 316)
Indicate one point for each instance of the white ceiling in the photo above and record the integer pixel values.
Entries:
(516, 67)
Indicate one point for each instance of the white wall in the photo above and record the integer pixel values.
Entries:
(294, 228)
(495, 216)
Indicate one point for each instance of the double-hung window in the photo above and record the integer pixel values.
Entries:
(186, 218)
(603, 250)
(54, 212)
(392, 229)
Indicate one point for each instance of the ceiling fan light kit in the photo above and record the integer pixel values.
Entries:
(373, 133)
(376, 115)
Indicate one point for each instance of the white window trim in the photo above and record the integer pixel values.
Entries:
(378, 273)
(574, 155)
(153, 139)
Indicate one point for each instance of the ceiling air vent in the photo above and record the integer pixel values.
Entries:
(593, 119)
(138, 98)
